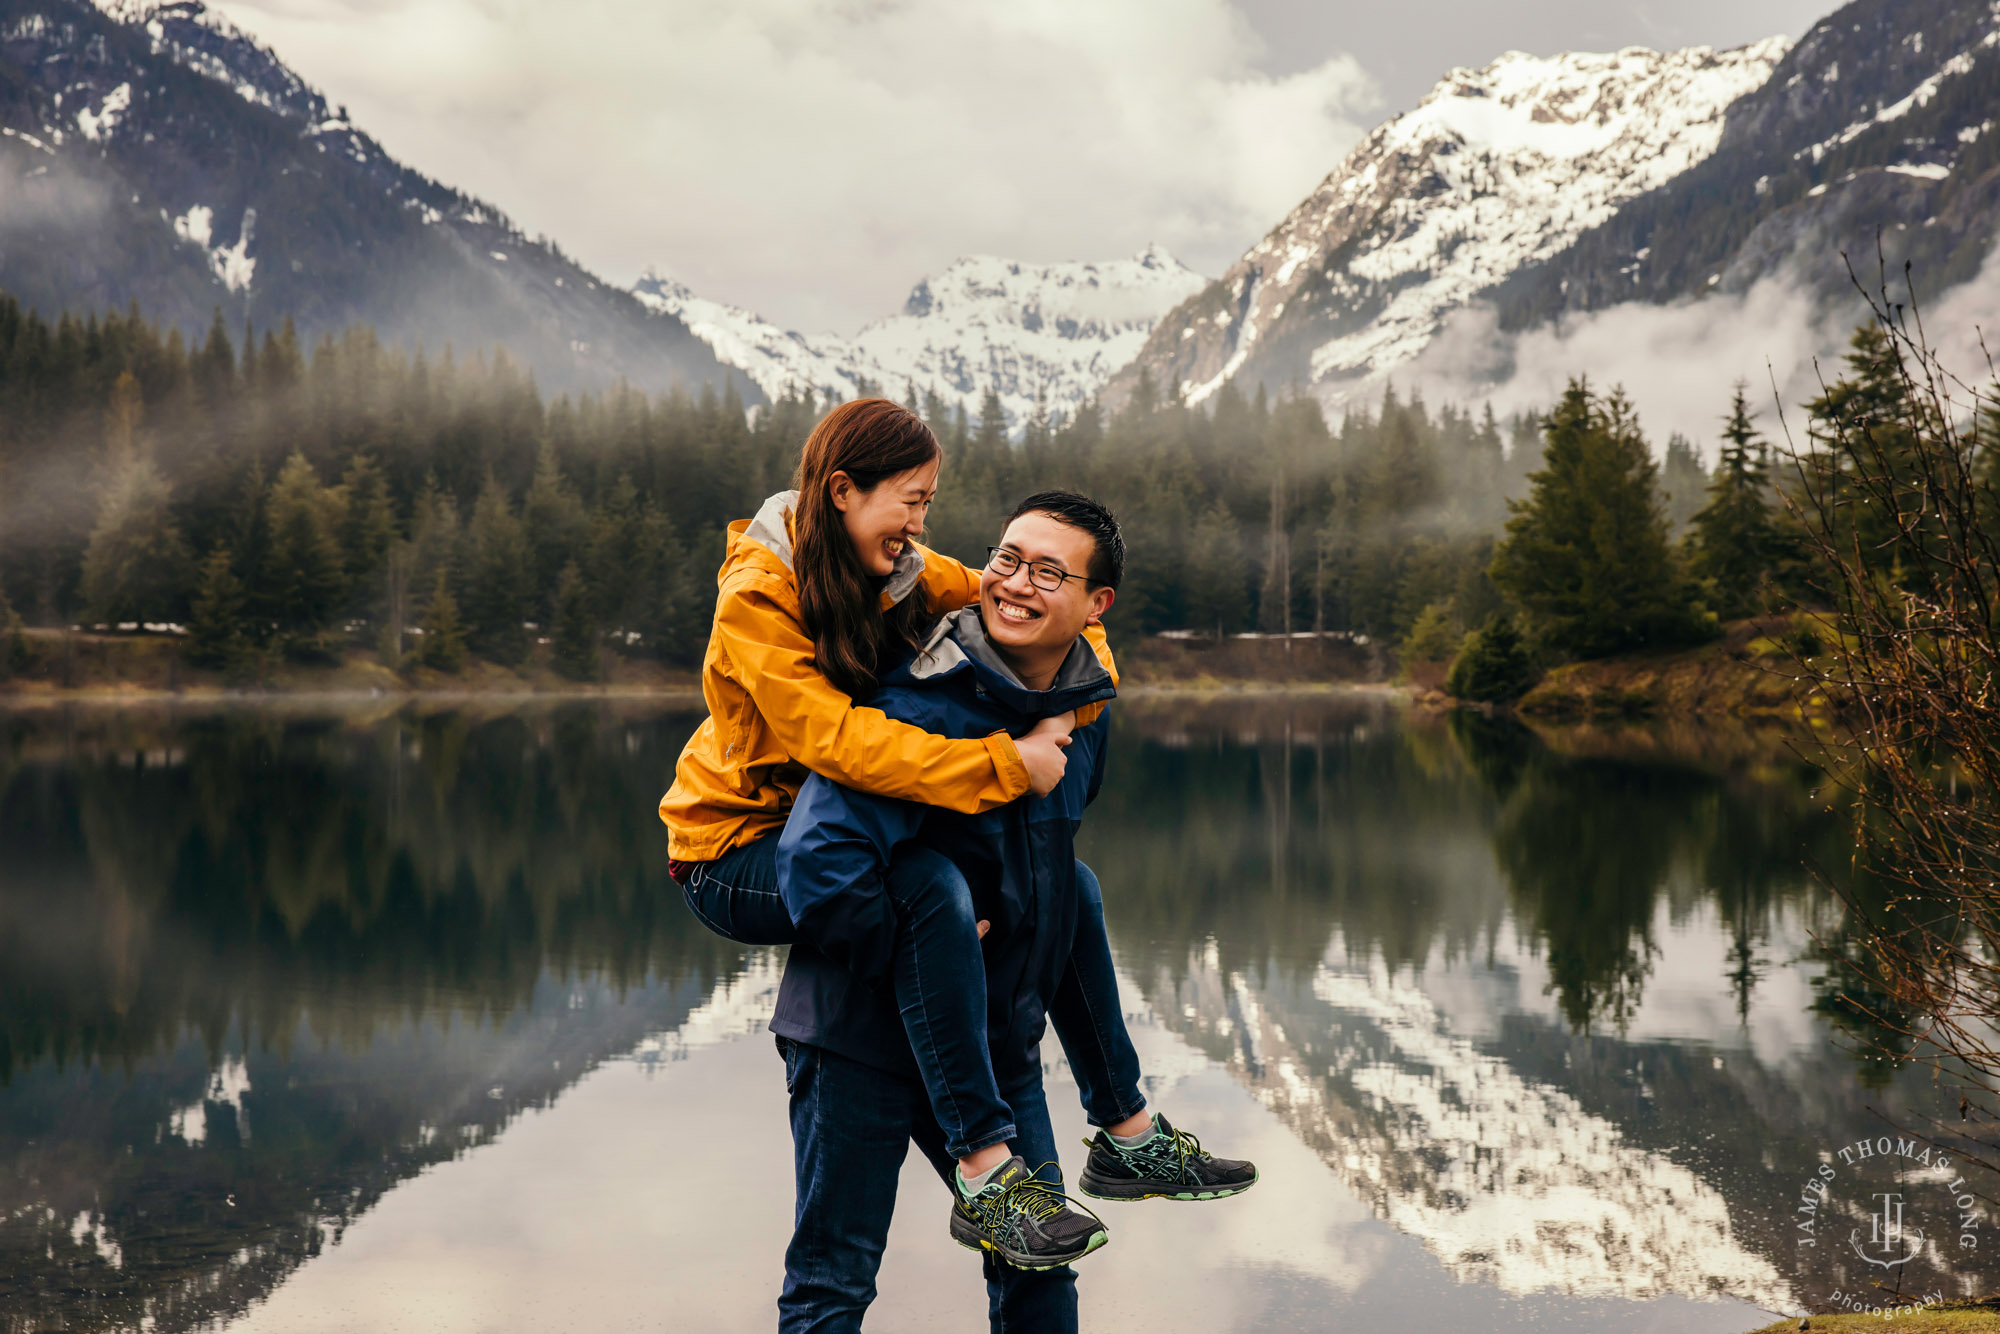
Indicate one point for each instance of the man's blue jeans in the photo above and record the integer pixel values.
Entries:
(851, 1128)
(940, 985)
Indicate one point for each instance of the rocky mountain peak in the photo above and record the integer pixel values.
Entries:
(152, 152)
(1497, 167)
(1047, 334)
(1877, 127)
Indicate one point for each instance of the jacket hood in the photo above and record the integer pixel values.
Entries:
(771, 529)
(959, 644)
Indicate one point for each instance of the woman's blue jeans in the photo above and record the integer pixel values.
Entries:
(940, 985)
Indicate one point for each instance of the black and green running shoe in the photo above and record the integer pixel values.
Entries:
(1171, 1165)
(1026, 1222)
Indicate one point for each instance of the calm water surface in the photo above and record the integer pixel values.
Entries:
(392, 1021)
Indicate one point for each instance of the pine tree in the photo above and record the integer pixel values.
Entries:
(1734, 542)
(1492, 665)
(435, 536)
(1524, 456)
(214, 367)
(670, 612)
(496, 578)
(367, 534)
(217, 633)
(1217, 572)
(1481, 480)
(135, 568)
(1864, 423)
(1434, 637)
(1683, 484)
(555, 527)
(121, 421)
(989, 443)
(1038, 434)
(397, 569)
(444, 636)
(1586, 555)
(303, 578)
(616, 556)
(575, 640)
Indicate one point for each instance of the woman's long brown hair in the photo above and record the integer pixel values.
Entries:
(871, 440)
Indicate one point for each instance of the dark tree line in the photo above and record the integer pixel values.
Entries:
(1251, 515)
(281, 501)
(275, 500)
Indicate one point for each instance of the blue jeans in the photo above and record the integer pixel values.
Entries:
(851, 1128)
(940, 985)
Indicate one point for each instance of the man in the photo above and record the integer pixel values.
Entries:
(856, 1097)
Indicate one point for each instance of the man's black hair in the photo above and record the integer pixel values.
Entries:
(1107, 559)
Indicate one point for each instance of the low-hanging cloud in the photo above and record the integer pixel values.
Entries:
(811, 159)
(1677, 363)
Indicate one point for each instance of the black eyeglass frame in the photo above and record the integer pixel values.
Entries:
(1035, 567)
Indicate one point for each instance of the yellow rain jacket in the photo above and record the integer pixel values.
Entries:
(772, 715)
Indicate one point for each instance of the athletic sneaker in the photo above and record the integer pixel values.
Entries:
(1026, 1222)
(1170, 1165)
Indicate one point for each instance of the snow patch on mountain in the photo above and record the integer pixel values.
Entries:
(1053, 332)
(1497, 168)
(1530, 152)
(1918, 97)
(98, 123)
(778, 361)
(232, 264)
(208, 43)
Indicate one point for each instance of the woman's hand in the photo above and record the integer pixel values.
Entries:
(1042, 752)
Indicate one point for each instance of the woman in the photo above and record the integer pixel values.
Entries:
(819, 593)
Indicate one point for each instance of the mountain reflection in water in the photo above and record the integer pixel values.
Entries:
(1556, 1012)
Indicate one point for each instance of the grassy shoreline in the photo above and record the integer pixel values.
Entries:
(1978, 1318)
(81, 665)
(1746, 674)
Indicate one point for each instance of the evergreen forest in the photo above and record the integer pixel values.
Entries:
(279, 501)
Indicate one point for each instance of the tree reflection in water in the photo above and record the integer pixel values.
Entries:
(257, 966)
(1342, 905)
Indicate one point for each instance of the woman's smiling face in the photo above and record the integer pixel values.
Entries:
(882, 523)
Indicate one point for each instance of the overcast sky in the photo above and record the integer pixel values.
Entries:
(811, 159)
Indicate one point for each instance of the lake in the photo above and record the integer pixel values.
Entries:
(389, 1019)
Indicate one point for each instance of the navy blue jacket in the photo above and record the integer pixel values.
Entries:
(1019, 860)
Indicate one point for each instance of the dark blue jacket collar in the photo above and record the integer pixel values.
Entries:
(959, 644)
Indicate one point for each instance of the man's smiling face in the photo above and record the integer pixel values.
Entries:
(1023, 618)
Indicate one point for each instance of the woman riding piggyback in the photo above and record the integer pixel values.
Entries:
(821, 591)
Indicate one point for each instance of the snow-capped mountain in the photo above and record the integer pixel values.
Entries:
(1497, 168)
(1879, 123)
(150, 151)
(1057, 331)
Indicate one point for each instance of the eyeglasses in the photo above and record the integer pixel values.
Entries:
(1048, 578)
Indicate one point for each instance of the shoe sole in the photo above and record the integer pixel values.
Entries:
(968, 1236)
(1101, 1188)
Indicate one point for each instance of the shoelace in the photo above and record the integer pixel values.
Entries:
(1189, 1148)
(1036, 1198)
(1032, 1198)
(1183, 1145)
